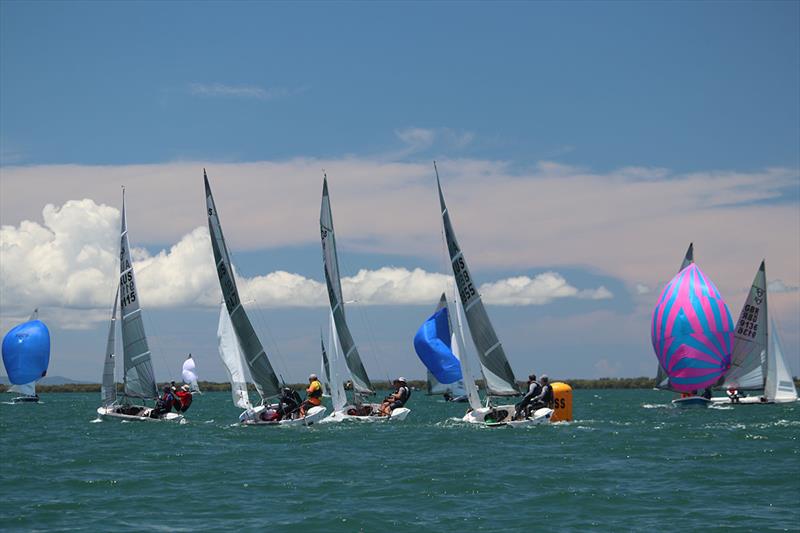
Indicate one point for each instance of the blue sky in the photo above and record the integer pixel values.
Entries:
(532, 106)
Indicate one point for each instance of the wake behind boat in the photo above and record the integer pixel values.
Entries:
(139, 383)
(238, 344)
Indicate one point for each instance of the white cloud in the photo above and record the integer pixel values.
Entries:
(238, 91)
(70, 262)
(539, 290)
(641, 288)
(778, 286)
(419, 139)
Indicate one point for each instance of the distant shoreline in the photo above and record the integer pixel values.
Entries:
(210, 386)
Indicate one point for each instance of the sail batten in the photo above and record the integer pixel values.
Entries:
(139, 378)
(496, 370)
(260, 368)
(330, 260)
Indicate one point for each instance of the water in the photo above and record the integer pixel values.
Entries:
(629, 461)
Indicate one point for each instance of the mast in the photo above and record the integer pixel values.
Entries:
(497, 373)
(261, 371)
(139, 379)
(330, 261)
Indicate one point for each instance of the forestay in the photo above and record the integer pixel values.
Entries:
(231, 357)
(361, 381)
(496, 371)
(108, 391)
(749, 360)
(139, 378)
(261, 371)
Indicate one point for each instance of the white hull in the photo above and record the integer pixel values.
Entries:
(748, 400)
(397, 415)
(25, 399)
(503, 415)
(112, 414)
(691, 401)
(251, 417)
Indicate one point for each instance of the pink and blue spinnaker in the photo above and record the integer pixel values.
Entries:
(692, 331)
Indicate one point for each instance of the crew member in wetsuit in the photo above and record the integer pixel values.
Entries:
(534, 388)
(163, 404)
(544, 397)
(183, 398)
(401, 394)
(288, 403)
(313, 394)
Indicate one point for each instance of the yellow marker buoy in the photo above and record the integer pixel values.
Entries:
(562, 402)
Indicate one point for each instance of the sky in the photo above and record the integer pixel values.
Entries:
(582, 146)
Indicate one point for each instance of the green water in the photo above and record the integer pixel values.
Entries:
(629, 461)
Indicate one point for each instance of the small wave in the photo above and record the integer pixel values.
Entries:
(655, 405)
(96, 421)
(719, 407)
(209, 421)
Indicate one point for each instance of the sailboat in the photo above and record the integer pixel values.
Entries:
(692, 335)
(345, 345)
(247, 342)
(189, 375)
(26, 356)
(496, 371)
(436, 345)
(757, 361)
(139, 383)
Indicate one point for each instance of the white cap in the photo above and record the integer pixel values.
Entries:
(401, 379)
(312, 376)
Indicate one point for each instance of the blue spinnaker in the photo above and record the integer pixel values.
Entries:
(432, 343)
(26, 352)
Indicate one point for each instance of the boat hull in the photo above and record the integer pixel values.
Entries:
(251, 418)
(748, 400)
(397, 415)
(112, 413)
(502, 415)
(691, 402)
(25, 399)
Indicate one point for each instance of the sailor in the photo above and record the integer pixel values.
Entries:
(397, 399)
(184, 399)
(544, 398)
(534, 388)
(313, 394)
(288, 403)
(707, 393)
(733, 394)
(163, 404)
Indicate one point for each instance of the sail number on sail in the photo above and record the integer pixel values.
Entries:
(228, 288)
(465, 288)
(748, 322)
(127, 286)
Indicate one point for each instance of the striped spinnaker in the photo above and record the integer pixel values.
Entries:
(692, 331)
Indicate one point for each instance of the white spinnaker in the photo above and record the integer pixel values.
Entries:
(338, 396)
(26, 389)
(231, 356)
(189, 374)
(780, 385)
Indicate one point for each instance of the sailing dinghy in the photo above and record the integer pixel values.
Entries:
(26, 356)
(496, 371)
(139, 382)
(692, 334)
(247, 346)
(757, 361)
(342, 344)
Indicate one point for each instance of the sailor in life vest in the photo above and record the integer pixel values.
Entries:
(313, 394)
(401, 394)
(184, 399)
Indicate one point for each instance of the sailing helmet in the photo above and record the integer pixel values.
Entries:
(312, 377)
(545, 379)
(401, 379)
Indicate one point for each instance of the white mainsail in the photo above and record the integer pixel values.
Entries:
(749, 360)
(361, 381)
(139, 378)
(779, 386)
(108, 391)
(231, 356)
(189, 374)
(338, 373)
(495, 368)
(261, 371)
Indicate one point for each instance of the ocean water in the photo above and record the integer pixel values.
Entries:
(629, 461)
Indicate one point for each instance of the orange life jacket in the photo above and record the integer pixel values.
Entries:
(314, 393)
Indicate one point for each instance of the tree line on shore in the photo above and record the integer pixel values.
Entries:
(210, 386)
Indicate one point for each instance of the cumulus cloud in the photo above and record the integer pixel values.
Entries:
(70, 261)
(641, 288)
